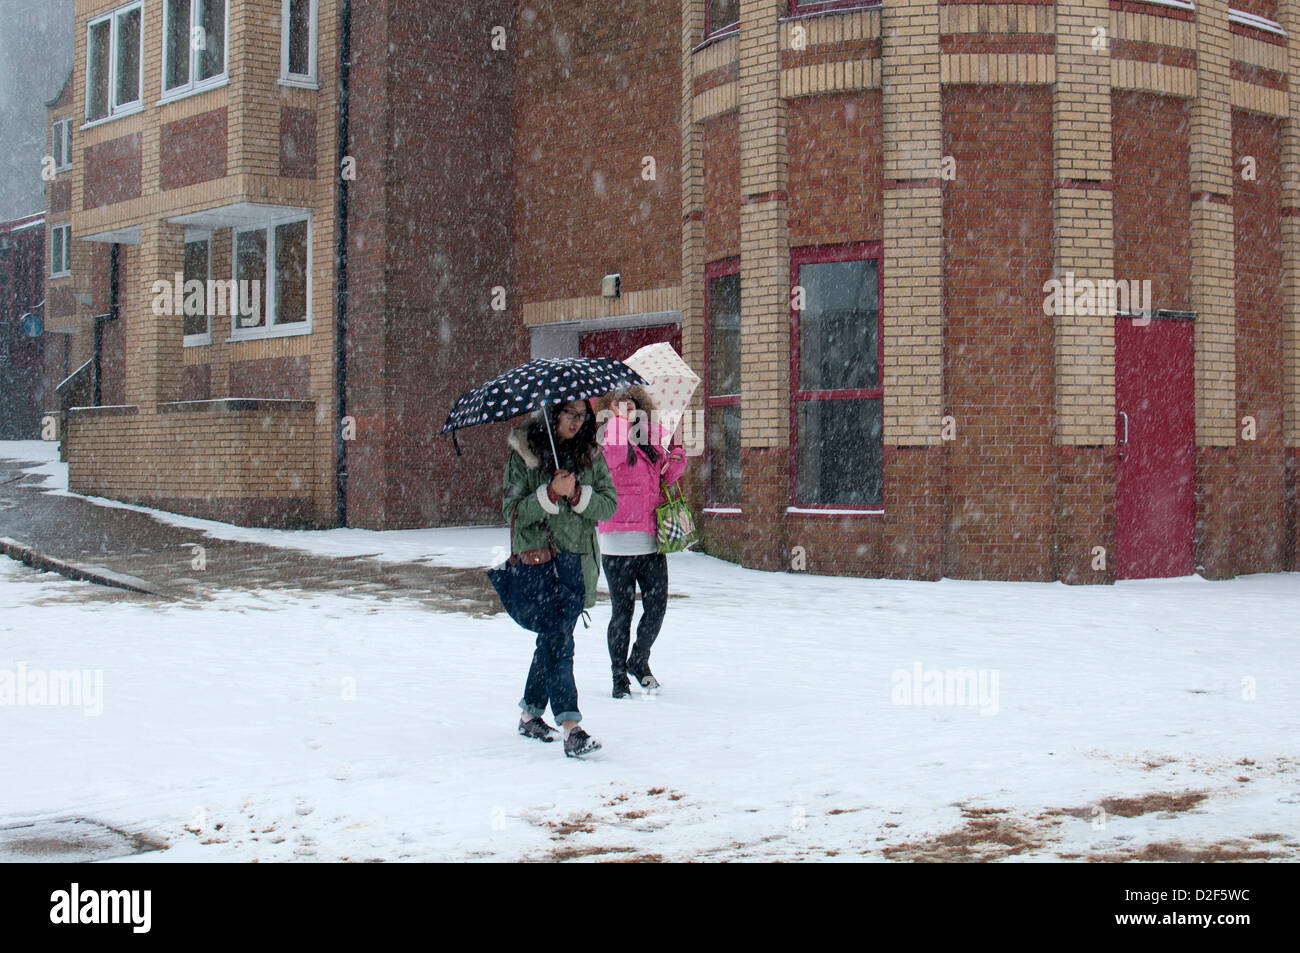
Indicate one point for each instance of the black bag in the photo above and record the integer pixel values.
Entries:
(541, 595)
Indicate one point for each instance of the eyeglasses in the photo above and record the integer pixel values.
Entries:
(578, 415)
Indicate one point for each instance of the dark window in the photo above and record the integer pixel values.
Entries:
(721, 14)
(835, 298)
(197, 257)
(291, 273)
(300, 37)
(128, 57)
(722, 389)
(98, 57)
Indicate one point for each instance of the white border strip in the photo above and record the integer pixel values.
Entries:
(815, 511)
(1258, 22)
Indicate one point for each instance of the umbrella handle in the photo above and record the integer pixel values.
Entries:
(546, 416)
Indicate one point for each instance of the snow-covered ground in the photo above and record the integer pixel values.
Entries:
(802, 717)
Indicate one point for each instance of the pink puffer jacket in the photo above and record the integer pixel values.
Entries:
(638, 482)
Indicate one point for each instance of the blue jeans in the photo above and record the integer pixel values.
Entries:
(550, 677)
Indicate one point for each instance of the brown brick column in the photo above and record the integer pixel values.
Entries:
(1084, 245)
(1212, 289)
(153, 341)
(764, 288)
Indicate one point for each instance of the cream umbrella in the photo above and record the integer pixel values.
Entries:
(671, 382)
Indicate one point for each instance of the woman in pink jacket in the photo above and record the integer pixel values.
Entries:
(635, 451)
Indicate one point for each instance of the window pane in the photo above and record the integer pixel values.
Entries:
(724, 455)
(212, 57)
(65, 136)
(724, 335)
(291, 273)
(178, 43)
(56, 251)
(723, 13)
(838, 326)
(250, 276)
(196, 269)
(97, 70)
(67, 248)
(128, 58)
(300, 36)
(839, 451)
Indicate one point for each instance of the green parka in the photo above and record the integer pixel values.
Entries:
(572, 527)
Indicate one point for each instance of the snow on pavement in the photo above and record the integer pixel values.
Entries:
(276, 726)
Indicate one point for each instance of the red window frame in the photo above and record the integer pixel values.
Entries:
(819, 254)
(821, 6)
(717, 269)
(710, 31)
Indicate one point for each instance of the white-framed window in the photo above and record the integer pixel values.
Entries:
(60, 251)
(194, 45)
(61, 144)
(196, 321)
(114, 63)
(298, 42)
(272, 271)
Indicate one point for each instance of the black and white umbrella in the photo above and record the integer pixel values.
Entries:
(535, 385)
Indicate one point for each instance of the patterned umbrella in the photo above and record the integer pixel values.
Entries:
(671, 382)
(536, 384)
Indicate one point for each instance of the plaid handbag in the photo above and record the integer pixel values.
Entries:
(677, 530)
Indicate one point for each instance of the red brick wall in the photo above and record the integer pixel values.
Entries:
(1257, 228)
(1261, 8)
(285, 378)
(834, 169)
(1152, 178)
(196, 382)
(720, 149)
(112, 172)
(429, 229)
(193, 149)
(297, 142)
(998, 353)
(597, 88)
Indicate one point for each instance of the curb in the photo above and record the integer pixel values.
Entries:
(96, 574)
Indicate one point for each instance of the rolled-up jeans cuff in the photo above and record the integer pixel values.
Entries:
(531, 710)
(563, 716)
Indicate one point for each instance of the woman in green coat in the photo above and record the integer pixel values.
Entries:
(547, 500)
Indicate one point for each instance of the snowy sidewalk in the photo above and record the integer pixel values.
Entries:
(802, 717)
(185, 558)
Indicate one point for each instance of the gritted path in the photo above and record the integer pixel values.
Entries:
(131, 543)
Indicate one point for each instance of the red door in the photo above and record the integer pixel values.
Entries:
(623, 342)
(1155, 476)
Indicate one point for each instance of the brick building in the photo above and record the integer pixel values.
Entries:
(22, 293)
(848, 215)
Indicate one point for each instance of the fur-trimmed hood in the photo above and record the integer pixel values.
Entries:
(518, 442)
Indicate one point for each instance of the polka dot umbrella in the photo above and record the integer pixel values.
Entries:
(536, 384)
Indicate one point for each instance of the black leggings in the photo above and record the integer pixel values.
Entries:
(624, 574)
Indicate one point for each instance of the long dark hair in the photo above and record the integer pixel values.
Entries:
(577, 454)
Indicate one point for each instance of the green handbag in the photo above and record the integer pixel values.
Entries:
(677, 530)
